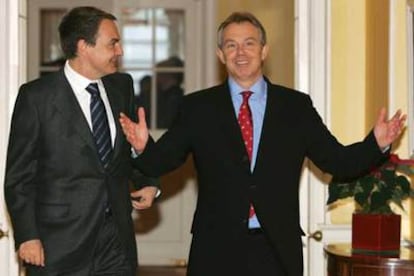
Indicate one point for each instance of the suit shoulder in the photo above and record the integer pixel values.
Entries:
(42, 85)
(119, 82)
(289, 93)
(118, 78)
(119, 75)
(44, 80)
(204, 94)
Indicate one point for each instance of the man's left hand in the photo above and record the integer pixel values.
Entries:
(387, 131)
(144, 197)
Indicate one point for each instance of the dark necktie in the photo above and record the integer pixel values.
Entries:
(100, 125)
(246, 127)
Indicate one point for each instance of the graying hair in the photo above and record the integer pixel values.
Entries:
(240, 17)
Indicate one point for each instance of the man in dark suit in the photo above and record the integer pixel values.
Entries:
(69, 164)
(247, 217)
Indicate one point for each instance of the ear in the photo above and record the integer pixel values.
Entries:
(265, 51)
(220, 55)
(82, 46)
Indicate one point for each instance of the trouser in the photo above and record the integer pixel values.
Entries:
(261, 257)
(109, 258)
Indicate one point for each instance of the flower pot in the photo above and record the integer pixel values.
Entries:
(374, 233)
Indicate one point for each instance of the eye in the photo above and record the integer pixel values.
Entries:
(230, 45)
(250, 43)
(113, 43)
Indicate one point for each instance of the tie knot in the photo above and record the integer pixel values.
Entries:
(93, 89)
(246, 95)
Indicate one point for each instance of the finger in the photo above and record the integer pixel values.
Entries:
(141, 206)
(42, 257)
(136, 193)
(142, 203)
(36, 260)
(137, 205)
(35, 256)
(382, 115)
(136, 196)
(141, 117)
(397, 115)
(124, 118)
(403, 119)
(28, 260)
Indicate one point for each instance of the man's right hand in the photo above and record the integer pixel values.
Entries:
(31, 252)
(136, 133)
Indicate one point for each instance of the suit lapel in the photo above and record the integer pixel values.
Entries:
(229, 127)
(271, 122)
(68, 106)
(114, 97)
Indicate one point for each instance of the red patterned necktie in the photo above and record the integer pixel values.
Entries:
(246, 123)
(246, 127)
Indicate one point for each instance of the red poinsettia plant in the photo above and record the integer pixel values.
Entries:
(374, 191)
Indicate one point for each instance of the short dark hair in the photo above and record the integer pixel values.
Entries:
(80, 23)
(240, 17)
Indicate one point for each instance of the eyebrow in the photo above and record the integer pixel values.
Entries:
(247, 39)
(115, 40)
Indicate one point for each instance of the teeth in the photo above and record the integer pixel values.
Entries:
(241, 62)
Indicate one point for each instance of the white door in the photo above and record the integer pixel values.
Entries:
(312, 74)
(12, 33)
(166, 52)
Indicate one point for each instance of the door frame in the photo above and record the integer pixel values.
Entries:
(313, 76)
(12, 73)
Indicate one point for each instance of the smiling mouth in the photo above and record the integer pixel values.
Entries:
(242, 62)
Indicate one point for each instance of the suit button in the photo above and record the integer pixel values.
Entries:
(245, 158)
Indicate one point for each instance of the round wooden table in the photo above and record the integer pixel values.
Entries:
(343, 262)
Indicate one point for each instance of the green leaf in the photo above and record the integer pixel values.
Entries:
(374, 192)
(339, 191)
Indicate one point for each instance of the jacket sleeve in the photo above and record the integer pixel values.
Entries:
(21, 168)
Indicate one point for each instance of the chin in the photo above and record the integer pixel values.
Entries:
(112, 70)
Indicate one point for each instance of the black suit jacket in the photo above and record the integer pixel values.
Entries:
(55, 184)
(292, 130)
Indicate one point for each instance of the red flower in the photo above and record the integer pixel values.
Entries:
(396, 160)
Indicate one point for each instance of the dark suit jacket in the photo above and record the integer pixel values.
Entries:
(55, 184)
(292, 130)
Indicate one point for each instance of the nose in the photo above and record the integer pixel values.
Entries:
(118, 50)
(240, 48)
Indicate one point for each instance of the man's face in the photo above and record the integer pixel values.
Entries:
(242, 52)
(102, 58)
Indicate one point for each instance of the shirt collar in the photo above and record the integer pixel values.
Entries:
(77, 80)
(259, 88)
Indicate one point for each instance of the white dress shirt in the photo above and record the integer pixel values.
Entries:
(79, 84)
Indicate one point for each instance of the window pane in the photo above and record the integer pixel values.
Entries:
(169, 33)
(51, 55)
(137, 37)
(153, 41)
